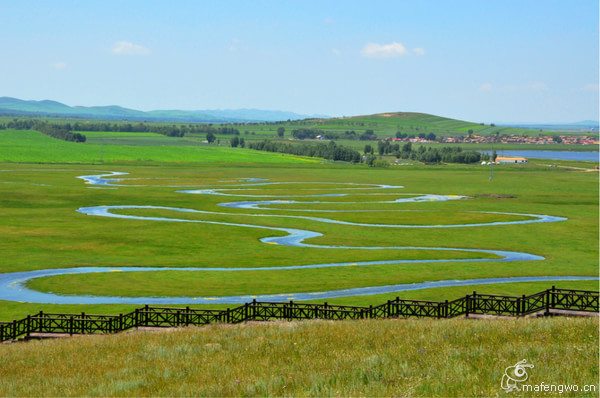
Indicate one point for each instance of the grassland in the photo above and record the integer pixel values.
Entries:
(433, 358)
(40, 229)
(32, 147)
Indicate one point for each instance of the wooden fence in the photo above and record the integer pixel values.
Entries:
(544, 302)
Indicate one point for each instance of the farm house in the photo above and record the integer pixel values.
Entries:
(501, 159)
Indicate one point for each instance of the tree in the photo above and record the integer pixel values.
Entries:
(370, 160)
(235, 141)
(368, 149)
(210, 137)
(280, 131)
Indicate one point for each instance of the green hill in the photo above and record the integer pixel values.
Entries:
(412, 123)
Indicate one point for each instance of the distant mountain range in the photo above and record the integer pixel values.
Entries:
(47, 108)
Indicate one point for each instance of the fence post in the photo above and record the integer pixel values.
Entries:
(446, 309)
(246, 311)
(389, 308)
(523, 305)
(187, 316)
(27, 333)
(371, 311)
(467, 305)
(146, 315)
(227, 316)
(553, 295)
(71, 325)
(14, 336)
(41, 321)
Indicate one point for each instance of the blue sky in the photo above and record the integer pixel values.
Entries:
(482, 61)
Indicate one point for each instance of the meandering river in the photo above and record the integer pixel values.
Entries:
(13, 285)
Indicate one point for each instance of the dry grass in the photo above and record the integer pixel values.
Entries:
(456, 357)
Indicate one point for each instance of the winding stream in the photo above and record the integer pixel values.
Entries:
(12, 285)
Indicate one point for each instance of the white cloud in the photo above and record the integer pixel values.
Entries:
(392, 50)
(485, 87)
(59, 65)
(419, 51)
(590, 87)
(128, 48)
(335, 51)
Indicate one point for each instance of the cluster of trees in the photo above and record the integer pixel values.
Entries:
(330, 150)
(437, 155)
(424, 154)
(428, 137)
(301, 134)
(235, 142)
(59, 131)
(18, 124)
(168, 130)
(368, 135)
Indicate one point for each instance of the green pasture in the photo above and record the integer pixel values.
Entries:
(28, 146)
(41, 228)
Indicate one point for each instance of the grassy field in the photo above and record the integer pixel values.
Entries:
(40, 229)
(432, 358)
(32, 147)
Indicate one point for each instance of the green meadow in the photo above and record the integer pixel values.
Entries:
(41, 228)
(28, 146)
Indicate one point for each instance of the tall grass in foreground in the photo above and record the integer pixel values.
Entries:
(458, 357)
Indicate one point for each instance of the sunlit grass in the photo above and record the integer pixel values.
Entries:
(424, 357)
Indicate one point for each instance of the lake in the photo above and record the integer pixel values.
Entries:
(553, 155)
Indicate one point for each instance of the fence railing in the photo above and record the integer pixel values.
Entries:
(471, 304)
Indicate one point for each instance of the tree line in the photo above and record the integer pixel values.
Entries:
(301, 134)
(329, 150)
(426, 154)
(53, 130)
(168, 130)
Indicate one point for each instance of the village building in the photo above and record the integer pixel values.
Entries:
(502, 159)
